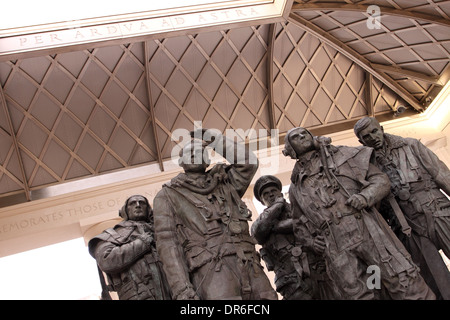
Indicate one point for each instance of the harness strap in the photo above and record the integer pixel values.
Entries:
(406, 229)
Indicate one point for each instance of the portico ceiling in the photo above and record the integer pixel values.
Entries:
(78, 112)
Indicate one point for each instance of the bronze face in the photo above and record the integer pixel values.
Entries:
(372, 135)
(194, 158)
(301, 141)
(137, 208)
(270, 194)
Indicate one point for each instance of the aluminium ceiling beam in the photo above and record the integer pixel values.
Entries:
(414, 75)
(270, 48)
(347, 51)
(151, 106)
(369, 94)
(445, 76)
(16, 145)
(408, 14)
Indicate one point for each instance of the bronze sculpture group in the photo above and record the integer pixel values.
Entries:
(350, 209)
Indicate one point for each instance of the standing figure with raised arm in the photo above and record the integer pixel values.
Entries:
(202, 225)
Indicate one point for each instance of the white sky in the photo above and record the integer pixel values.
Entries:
(64, 271)
(20, 13)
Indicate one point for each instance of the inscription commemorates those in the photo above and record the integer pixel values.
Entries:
(62, 214)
